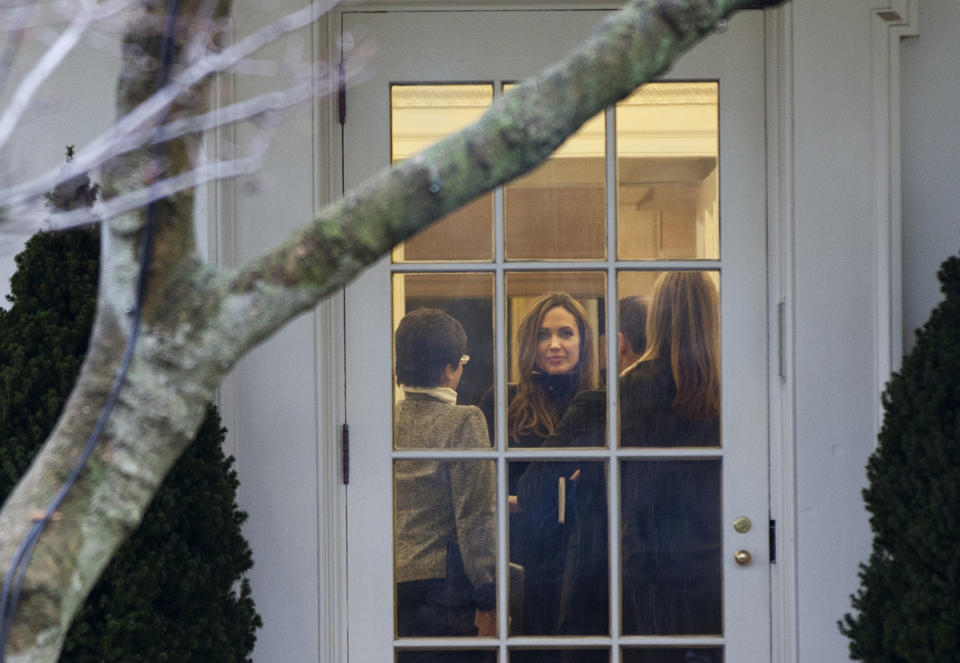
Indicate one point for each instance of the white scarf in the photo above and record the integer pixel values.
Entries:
(445, 394)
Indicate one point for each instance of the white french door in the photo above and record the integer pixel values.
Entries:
(620, 205)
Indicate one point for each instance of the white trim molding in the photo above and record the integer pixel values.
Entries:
(780, 268)
(791, 180)
(889, 25)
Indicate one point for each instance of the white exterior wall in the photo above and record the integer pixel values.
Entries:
(824, 265)
(931, 158)
(270, 400)
(837, 336)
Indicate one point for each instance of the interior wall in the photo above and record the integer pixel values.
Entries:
(931, 158)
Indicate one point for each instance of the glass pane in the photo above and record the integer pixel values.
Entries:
(467, 297)
(445, 526)
(559, 656)
(552, 318)
(667, 172)
(558, 548)
(420, 115)
(675, 655)
(558, 211)
(670, 395)
(439, 656)
(671, 547)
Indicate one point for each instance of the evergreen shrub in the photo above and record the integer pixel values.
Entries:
(908, 604)
(176, 591)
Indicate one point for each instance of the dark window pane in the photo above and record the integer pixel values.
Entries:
(445, 538)
(675, 655)
(671, 547)
(439, 656)
(468, 298)
(670, 393)
(558, 544)
(559, 656)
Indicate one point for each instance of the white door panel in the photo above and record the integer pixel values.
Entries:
(504, 46)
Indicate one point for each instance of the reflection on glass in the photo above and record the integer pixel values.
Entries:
(557, 212)
(559, 656)
(420, 115)
(558, 537)
(440, 656)
(468, 297)
(667, 175)
(445, 538)
(671, 547)
(670, 395)
(675, 655)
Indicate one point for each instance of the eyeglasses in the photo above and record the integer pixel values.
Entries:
(464, 359)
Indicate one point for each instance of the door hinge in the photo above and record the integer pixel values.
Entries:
(342, 92)
(345, 453)
(773, 541)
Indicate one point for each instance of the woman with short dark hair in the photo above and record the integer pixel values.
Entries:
(427, 342)
(445, 510)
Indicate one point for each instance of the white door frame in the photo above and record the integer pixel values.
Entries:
(789, 86)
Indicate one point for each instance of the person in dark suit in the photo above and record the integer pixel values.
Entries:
(670, 509)
(556, 359)
(584, 605)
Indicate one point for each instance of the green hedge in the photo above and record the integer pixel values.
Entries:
(176, 590)
(908, 605)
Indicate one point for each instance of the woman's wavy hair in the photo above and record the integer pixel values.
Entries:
(530, 411)
(683, 324)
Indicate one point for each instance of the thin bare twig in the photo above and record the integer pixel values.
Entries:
(48, 63)
(31, 216)
(202, 174)
(104, 147)
(249, 109)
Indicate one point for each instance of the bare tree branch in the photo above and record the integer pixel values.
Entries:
(199, 321)
(516, 134)
(50, 60)
(30, 219)
(107, 145)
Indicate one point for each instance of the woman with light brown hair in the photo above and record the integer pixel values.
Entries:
(670, 397)
(682, 358)
(556, 358)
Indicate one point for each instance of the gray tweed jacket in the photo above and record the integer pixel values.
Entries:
(442, 501)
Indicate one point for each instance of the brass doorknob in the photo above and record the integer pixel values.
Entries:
(742, 557)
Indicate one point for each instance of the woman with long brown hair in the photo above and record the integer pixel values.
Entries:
(680, 369)
(556, 359)
(670, 397)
